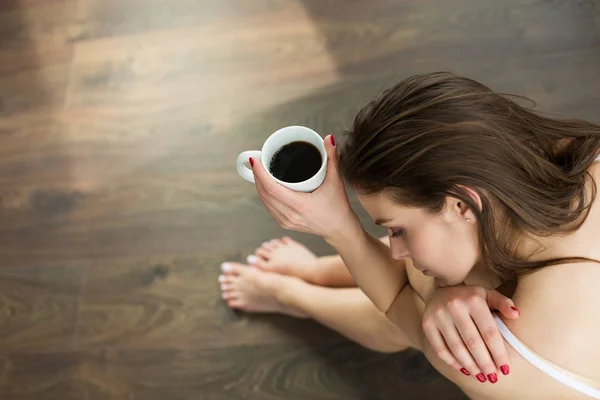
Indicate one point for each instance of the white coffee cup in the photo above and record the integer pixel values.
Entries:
(275, 142)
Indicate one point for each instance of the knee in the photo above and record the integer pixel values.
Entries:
(386, 338)
(386, 345)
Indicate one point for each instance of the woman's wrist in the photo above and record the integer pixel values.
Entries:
(349, 229)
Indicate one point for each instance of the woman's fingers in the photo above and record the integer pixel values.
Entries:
(456, 344)
(272, 189)
(488, 330)
(497, 301)
(471, 337)
(332, 159)
(438, 344)
(452, 327)
(274, 207)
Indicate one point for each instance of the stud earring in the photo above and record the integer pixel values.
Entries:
(468, 220)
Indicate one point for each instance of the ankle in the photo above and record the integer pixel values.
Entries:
(317, 274)
(286, 292)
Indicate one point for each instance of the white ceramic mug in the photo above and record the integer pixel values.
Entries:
(275, 142)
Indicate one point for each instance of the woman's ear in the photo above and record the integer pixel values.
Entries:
(475, 197)
(461, 210)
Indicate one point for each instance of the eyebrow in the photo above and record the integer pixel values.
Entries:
(382, 221)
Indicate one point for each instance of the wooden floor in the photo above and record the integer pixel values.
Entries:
(120, 122)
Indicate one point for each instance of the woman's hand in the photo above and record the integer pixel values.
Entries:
(461, 330)
(324, 212)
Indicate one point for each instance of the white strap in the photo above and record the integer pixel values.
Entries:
(542, 364)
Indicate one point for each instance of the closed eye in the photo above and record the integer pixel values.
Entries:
(397, 233)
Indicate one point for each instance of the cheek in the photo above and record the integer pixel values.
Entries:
(441, 251)
(426, 246)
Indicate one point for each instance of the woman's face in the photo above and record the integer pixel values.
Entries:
(443, 246)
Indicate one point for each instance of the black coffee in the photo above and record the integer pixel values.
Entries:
(296, 162)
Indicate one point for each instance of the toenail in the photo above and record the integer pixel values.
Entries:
(223, 286)
(225, 267)
(251, 259)
(221, 278)
(224, 295)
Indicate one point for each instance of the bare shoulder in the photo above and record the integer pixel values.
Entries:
(558, 320)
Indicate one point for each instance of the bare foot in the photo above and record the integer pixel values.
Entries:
(288, 257)
(250, 289)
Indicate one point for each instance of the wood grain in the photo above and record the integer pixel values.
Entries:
(120, 122)
(256, 372)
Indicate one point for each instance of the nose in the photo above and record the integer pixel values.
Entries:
(398, 249)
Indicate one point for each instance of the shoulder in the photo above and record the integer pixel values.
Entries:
(557, 320)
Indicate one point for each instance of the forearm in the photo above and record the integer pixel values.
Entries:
(370, 263)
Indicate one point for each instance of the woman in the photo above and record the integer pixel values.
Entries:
(477, 193)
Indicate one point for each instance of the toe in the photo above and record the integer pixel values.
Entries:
(226, 296)
(269, 246)
(261, 264)
(225, 278)
(288, 240)
(251, 259)
(236, 304)
(275, 243)
(263, 253)
(232, 268)
(256, 261)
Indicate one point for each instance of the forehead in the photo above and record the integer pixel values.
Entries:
(382, 206)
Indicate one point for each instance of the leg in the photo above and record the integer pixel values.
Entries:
(288, 257)
(347, 311)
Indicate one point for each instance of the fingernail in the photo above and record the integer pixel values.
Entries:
(225, 267)
(493, 378)
(515, 309)
(505, 370)
(464, 371)
(251, 259)
(221, 278)
(332, 140)
(481, 377)
(251, 162)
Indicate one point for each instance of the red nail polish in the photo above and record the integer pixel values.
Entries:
(251, 162)
(515, 309)
(332, 140)
(493, 378)
(505, 370)
(464, 371)
(481, 377)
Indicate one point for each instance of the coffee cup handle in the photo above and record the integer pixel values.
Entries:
(242, 160)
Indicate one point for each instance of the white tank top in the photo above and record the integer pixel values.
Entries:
(574, 381)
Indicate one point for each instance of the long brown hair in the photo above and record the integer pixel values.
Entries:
(432, 134)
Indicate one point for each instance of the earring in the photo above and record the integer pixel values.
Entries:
(468, 220)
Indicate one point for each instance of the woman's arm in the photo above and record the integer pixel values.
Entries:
(370, 263)
(327, 212)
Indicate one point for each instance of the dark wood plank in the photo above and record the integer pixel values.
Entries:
(120, 122)
(158, 304)
(39, 375)
(38, 307)
(256, 372)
